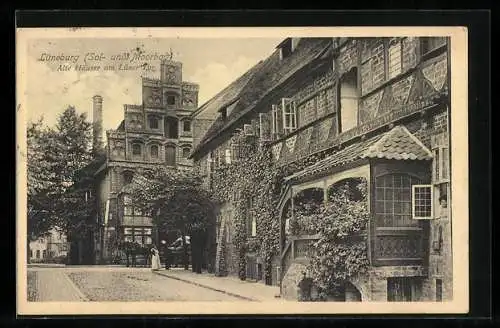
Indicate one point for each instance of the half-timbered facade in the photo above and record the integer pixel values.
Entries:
(371, 108)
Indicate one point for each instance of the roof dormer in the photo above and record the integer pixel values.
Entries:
(287, 47)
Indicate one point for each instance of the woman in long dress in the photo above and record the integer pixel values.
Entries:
(155, 259)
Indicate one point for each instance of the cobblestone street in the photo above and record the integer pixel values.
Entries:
(114, 284)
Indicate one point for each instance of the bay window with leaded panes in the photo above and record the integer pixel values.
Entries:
(398, 237)
(393, 200)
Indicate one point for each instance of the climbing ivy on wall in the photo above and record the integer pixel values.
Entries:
(254, 177)
(340, 254)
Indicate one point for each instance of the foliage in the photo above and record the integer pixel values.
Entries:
(341, 251)
(251, 186)
(175, 200)
(54, 156)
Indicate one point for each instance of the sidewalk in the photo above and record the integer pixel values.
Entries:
(56, 286)
(250, 291)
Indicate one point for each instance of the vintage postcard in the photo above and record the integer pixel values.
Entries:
(242, 170)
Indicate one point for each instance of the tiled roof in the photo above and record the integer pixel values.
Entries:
(269, 74)
(396, 144)
(228, 94)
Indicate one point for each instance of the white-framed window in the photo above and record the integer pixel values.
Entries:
(422, 200)
(228, 156)
(394, 58)
(289, 115)
(277, 122)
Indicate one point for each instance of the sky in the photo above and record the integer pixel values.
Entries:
(212, 63)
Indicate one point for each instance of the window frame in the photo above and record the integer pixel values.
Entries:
(227, 156)
(174, 152)
(171, 96)
(153, 118)
(184, 124)
(398, 43)
(414, 199)
(134, 145)
(401, 219)
(289, 108)
(183, 149)
(138, 232)
(157, 147)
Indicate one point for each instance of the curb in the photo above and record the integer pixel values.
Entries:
(77, 290)
(207, 287)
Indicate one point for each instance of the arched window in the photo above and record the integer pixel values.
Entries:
(170, 155)
(393, 200)
(154, 151)
(153, 122)
(136, 149)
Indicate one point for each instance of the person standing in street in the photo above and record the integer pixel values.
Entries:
(155, 259)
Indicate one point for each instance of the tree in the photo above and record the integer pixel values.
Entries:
(54, 157)
(176, 200)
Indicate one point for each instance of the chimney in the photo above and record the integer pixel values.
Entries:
(97, 145)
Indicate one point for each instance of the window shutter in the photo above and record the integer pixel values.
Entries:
(279, 122)
(228, 156)
(422, 201)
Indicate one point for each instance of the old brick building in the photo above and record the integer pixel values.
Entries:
(159, 131)
(370, 108)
